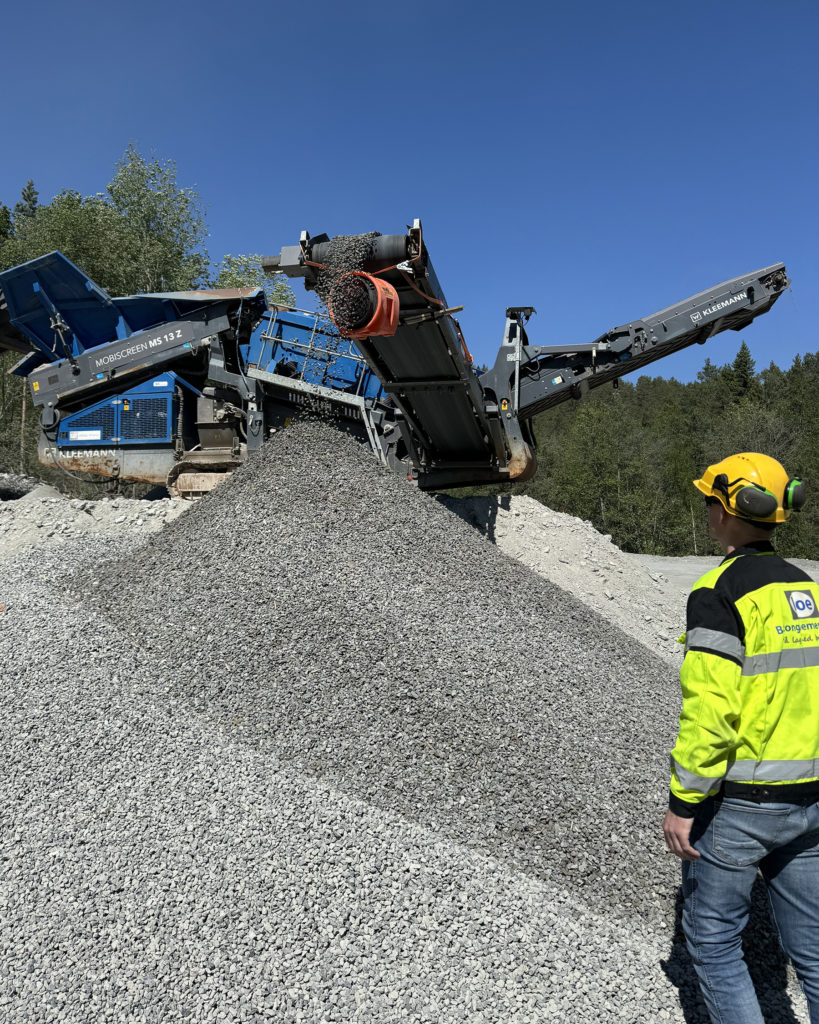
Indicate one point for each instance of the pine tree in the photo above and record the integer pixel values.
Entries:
(709, 371)
(742, 379)
(29, 199)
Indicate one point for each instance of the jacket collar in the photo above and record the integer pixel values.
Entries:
(754, 547)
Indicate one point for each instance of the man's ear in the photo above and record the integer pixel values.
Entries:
(722, 516)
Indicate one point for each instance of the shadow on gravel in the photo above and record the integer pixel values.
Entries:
(471, 513)
(12, 492)
(767, 965)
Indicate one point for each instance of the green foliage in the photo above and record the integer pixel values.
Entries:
(166, 224)
(143, 234)
(740, 377)
(246, 272)
(87, 229)
(27, 204)
(709, 372)
(624, 459)
(5, 222)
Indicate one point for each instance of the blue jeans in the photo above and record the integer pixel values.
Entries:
(782, 840)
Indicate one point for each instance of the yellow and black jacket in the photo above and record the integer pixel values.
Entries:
(750, 679)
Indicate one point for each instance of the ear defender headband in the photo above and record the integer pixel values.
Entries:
(755, 501)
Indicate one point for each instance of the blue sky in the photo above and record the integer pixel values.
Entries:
(597, 160)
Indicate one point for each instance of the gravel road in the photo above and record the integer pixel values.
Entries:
(316, 750)
(683, 572)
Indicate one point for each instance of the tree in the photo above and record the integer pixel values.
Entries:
(166, 225)
(5, 222)
(773, 384)
(709, 372)
(86, 229)
(741, 377)
(28, 202)
(142, 234)
(246, 272)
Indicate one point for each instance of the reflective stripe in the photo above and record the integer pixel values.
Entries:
(773, 771)
(713, 640)
(696, 783)
(758, 664)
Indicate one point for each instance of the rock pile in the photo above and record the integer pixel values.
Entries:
(316, 751)
(13, 486)
(43, 515)
(377, 642)
(571, 553)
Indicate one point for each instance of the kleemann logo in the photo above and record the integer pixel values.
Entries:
(802, 604)
(708, 311)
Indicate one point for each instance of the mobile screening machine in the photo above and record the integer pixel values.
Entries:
(177, 388)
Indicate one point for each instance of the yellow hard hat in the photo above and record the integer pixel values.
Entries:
(753, 486)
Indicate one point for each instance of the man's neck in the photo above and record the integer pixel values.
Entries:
(730, 547)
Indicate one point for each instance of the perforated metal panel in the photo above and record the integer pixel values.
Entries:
(143, 419)
(100, 419)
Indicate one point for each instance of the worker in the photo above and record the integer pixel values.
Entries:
(745, 766)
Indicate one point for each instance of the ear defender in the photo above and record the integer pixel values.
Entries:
(754, 487)
(755, 502)
(794, 497)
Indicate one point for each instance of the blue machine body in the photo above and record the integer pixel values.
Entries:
(301, 345)
(143, 415)
(59, 309)
(307, 346)
(63, 313)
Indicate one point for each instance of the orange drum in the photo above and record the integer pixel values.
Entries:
(363, 306)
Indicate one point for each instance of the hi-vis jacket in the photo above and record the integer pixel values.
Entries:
(750, 682)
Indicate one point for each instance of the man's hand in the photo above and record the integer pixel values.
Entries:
(677, 836)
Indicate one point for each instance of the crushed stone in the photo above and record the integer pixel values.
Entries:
(432, 669)
(14, 486)
(345, 253)
(42, 515)
(317, 751)
(573, 554)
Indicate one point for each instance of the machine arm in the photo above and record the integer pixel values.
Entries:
(458, 428)
(534, 378)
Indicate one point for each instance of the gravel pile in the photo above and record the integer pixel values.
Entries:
(44, 516)
(157, 868)
(571, 553)
(317, 751)
(371, 638)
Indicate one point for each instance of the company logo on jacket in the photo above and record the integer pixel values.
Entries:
(802, 604)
